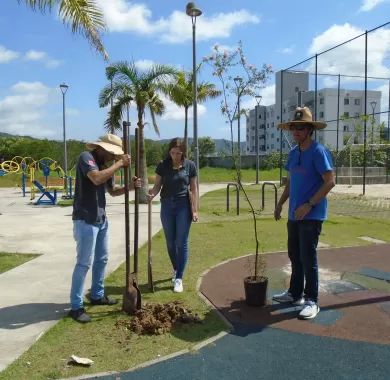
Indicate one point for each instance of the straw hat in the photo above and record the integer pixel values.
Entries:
(302, 116)
(110, 143)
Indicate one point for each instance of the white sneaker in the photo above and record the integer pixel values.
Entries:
(173, 276)
(310, 310)
(178, 286)
(287, 297)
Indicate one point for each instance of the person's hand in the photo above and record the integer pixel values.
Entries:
(150, 195)
(126, 160)
(195, 217)
(302, 211)
(278, 212)
(137, 182)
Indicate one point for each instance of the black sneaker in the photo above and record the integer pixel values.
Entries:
(105, 300)
(80, 315)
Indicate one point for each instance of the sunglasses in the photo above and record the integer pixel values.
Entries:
(298, 127)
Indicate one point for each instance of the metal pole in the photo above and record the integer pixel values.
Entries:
(64, 135)
(337, 126)
(238, 134)
(315, 95)
(195, 98)
(281, 133)
(257, 146)
(365, 119)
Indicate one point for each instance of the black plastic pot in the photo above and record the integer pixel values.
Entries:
(255, 290)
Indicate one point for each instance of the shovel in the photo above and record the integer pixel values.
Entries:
(131, 296)
(150, 273)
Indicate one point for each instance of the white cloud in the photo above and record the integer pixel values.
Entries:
(41, 56)
(348, 59)
(21, 113)
(144, 64)
(33, 55)
(368, 5)
(174, 112)
(267, 98)
(7, 55)
(287, 50)
(122, 16)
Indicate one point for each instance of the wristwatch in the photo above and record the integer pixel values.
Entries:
(311, 203)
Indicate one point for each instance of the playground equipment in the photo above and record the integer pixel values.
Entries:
(29, 168)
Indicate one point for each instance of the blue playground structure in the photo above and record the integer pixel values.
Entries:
(46, 197)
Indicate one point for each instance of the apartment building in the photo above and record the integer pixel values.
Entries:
(295, 89)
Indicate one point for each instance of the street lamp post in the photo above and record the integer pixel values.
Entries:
(238, 81)
(194, 12)
(64, 87)
(258, 100)
(373, 105)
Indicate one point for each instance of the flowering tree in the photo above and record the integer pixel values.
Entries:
(228, 65)
(239, 79)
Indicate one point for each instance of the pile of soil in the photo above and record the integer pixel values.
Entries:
(157, 319)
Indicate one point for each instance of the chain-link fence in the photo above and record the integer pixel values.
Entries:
(347, 86)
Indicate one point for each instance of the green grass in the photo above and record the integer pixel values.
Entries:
(220, 235)
(13, 260)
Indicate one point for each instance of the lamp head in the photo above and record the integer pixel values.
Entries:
(373, 104)
(192, 10)
(258, 99)
(64, 87)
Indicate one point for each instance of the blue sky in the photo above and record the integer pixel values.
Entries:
(37, 53)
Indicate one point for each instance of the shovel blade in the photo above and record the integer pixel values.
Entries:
(131, 297)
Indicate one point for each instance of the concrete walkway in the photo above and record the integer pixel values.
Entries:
(35, 295)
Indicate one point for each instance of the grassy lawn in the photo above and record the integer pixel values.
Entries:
(13, 260)
(217, 237)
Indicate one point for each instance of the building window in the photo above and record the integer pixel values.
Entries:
(284, 145)
(346, 129)
(357, 102)
(346, 114)
(322, 101)
(321, 114)
(296, 89)
(272, 146)
(357, 114)
(272, 124)
(272, 135)
(277, 140)
(346, 101)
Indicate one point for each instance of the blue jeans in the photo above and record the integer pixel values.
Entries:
(92, 243)
(302, 250)
(176, 221)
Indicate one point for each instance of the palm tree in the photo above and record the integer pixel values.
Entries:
(84, 17)
(142, 87)
(181, 93)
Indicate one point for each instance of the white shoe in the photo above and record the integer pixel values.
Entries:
(173, 276)
(310, 310)
(178, 286)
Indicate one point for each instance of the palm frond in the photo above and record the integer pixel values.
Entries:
(85, 17)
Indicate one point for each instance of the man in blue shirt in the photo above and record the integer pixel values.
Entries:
(310, 178)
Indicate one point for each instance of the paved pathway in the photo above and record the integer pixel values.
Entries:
(35, 295)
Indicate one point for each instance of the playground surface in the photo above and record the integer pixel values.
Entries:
(335, 345)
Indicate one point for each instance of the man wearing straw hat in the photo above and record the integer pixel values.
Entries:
(310, 178)
(94, 175)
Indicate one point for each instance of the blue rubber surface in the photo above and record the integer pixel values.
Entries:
(370, 272)
(272, 354)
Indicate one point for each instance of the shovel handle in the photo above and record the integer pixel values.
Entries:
(127, 213)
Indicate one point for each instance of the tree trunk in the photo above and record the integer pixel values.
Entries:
(186, 129)
(143, 169)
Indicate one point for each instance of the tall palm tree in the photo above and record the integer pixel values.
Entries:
(84, 17)
(181, 93)
(142, 87)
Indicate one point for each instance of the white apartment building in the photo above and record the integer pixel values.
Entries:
(295, 92)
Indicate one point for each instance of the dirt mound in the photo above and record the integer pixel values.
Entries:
(157, 319)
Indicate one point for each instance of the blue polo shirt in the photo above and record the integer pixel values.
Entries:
(306, 169)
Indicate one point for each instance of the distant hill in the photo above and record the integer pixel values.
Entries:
(221, 145)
